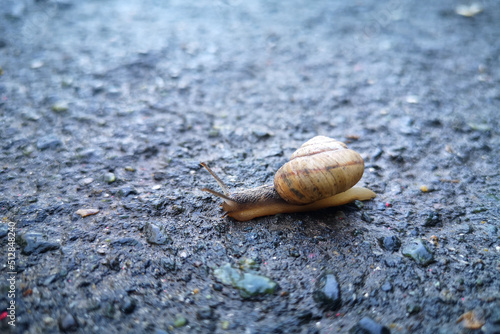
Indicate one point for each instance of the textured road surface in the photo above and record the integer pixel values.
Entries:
(111, 105)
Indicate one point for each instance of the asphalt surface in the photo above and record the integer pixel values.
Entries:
(110, 106)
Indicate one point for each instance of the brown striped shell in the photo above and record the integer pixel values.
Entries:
(320, 168)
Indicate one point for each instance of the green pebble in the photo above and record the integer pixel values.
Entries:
(224, 325)
(60, 107)
(180, 321)
(249, 284)
(213, 132)
(227, 275)
(252, 285)
(419, 252)
(109, 177)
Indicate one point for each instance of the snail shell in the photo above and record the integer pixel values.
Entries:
(320, 174)
(320, 168)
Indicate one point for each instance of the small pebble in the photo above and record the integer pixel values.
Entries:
(128, 305)
(60, 107)
(431, 218)
(37, 64)
(87, 212)
(68, 323)
(249, 284)
(469, 10)
(387, 287)
(327, 292)
(413, 308)
(36, 243)
(206, 313)
(390, 243)
(49, 321)
(418, 252)
(369, 326)
(127, 190)
(253, 284)
(366, 217)
(86, 181)
(109, 177)
(156, 235)
(180, 321)
(48, 142)
(224, 325)
(412, 99)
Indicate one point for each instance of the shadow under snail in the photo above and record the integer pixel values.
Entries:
(320, 174)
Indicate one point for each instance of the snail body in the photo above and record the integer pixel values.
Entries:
(320, 174)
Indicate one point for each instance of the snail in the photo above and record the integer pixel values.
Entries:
(320, 174)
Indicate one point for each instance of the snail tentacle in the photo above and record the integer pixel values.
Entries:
(218, 194)
(223, 186)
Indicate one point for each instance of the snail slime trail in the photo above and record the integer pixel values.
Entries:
(320, 174)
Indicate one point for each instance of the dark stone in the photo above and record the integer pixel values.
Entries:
(187, 278)
(413, 308)
(125, 242)
(368, 326)
(126, 191)
(36, 243)
(390, 243)
(68, 323)
(431, 219)
(48, 142)
(206, 313)
(168, 265)
(418, 252)
(304, 316)
(327, 293)
(128, 305)
(294, 252)
(115, 264)
(366, 217)
(159, 176)
(386, 287)
(156, 235)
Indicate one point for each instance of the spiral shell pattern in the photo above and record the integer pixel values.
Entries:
(320, 168)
